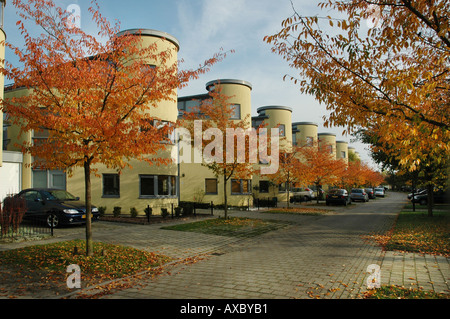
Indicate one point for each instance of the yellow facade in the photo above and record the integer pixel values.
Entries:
(197, 182)
(305, 133)
(328, 140)
(342, 150)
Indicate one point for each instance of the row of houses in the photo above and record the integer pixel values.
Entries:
(161, 186)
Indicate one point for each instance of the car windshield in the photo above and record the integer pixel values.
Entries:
(357, 191)
(379, 189)
(336, 191)
(59, 195)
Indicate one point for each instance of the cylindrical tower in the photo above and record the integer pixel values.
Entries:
(328, 140)
(342, 150)
(281, 117)
(167, 110)
(239, 92)
(305, 133)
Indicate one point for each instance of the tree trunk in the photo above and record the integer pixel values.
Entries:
(87, 184)
(225, 195)
(430, 199)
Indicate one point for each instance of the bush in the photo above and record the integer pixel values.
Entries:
(116, 211)
(133, 212)
(12, 213)
(164, 212)
(178, 211)
(102, 210)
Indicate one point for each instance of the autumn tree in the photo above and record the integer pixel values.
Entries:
(289, 171)
(380, 65)
(319, 166)
(228, 146)
(94, 95)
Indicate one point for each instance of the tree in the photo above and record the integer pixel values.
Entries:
(394, 76)
(94, 96)
(289, 171)
(225, 145)
(320, 167)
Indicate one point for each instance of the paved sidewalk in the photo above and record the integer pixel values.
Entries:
(312, 257)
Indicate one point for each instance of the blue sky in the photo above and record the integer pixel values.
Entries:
(202, 27)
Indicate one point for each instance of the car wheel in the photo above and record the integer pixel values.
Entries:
(52, 218)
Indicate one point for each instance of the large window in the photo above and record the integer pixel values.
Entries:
(241, 186)
(111, 185)
(157, 185)
(210, 185)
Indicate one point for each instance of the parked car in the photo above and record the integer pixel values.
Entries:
(55, 206)
(359, 194)
(370, 193)
(439, 196)
(379, 192)
(300, 194)
(339, 196)
(417, 192)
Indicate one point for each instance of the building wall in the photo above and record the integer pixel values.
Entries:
(2, 85)
(303, 132)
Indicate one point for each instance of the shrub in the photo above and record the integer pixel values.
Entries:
(12, 213)
(116, 211)
(102, 210)
(133, 212)
(164, 212)
(178, 211)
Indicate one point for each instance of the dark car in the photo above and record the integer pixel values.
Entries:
(370, 193)
(55, 205)
(338, 196)
(439, 196)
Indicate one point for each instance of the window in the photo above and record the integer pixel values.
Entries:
(157, 185)
(343, 154)
(294, 139)
(309, 141)
(210, 185)
(241, 186)
(169, 135)
(236, 115)
(263, 186)
(282, 129)
(49, 179)
(282, 188)
(111, 185)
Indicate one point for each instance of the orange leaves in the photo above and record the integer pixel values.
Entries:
(389, 78)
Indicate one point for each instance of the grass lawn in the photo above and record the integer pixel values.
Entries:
(231, 227)
(298, 211)
(416, 232)
(395, 292)
(44, 267)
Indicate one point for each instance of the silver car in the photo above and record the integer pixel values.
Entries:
(379, 192)
(359, 194)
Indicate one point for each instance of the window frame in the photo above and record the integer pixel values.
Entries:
(241, 186)
(118, 185)
(216, 186)
(157, 180)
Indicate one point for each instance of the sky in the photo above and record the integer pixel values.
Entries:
(203, 27)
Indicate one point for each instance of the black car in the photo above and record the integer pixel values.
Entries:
(370, 193)
(55, 205)
(439, 196)
(339, 196)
